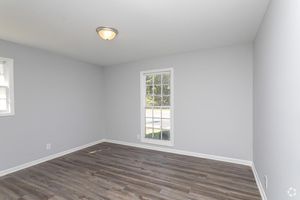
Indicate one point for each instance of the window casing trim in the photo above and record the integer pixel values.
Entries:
(142, 108)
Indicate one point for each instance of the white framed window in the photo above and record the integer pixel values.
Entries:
(6, 87)
(157, 107)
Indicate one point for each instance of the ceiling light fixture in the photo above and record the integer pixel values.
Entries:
(107, 33)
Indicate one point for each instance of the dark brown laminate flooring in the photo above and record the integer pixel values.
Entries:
(111, 171)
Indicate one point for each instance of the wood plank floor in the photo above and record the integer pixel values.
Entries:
(111, 171)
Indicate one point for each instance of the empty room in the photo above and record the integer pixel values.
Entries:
(150, 100)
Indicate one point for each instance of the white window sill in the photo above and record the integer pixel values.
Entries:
(7, 114)
(158, 142)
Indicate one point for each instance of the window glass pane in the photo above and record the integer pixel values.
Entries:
(165, 135)
(1, 67)
(166, 113)
(3, 105)
(157, 89)
(149, 101)
(2, 80)
(166, 78)
(166, 124)
(157, 123)
(157, 113)
(149, 90)
(166, 101)
(149, 122)
(166, 89)
(3, 93)
(157, 134)
(2, 74)
(148, 132)
(157, 79)
(149, 112)
(149, 79)
(157, 101)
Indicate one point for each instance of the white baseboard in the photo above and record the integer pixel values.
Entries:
(258, 183)
(50, 157)
(157, 148)
(182, 152)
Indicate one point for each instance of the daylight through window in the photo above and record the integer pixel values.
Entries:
(157, 107)
(6, 87)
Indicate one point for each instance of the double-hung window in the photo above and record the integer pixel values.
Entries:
(157, 107)
(6, 87)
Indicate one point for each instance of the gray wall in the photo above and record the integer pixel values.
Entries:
(57, 100)
(213, 100)
(277, 99)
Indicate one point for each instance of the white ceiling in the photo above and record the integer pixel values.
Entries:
(147, 28)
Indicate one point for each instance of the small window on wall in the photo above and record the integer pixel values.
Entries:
(157, 107)
(6, 87)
